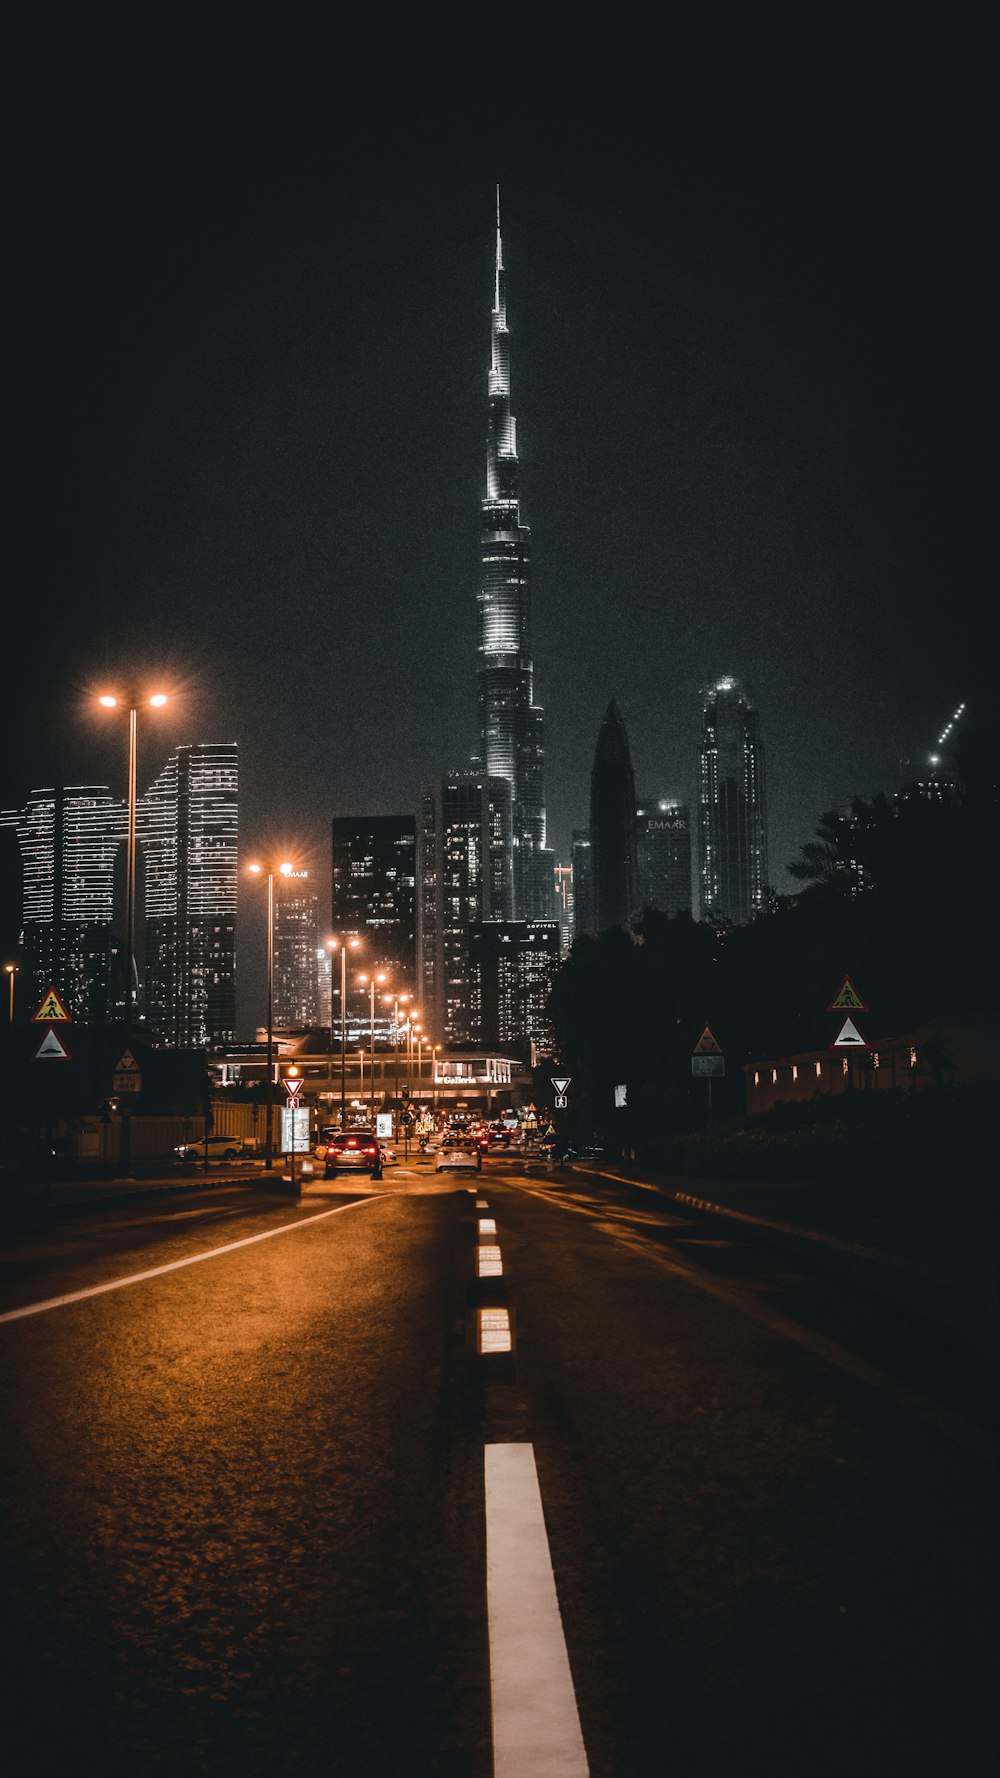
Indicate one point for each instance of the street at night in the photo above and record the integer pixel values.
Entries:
(244, 1518)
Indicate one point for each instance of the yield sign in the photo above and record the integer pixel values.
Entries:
(850, 1037)
(560, 1082)
(707, 1045)
(51, 1011)
(51, 1050)
(292, 1085)
(847, 998)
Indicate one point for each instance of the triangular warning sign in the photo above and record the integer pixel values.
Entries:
(850, 1037)
(126, 1064)
(51, 1050)
(51, 1011)
(706, 1045)
(848, 999)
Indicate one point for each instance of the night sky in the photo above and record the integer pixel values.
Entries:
(251, 336)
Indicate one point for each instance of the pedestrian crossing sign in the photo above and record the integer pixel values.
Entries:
(51, 1011)
(847, 998)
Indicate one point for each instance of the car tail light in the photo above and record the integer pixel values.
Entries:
(352, 1143)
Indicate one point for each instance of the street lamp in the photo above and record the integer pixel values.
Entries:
(371, 980)
(112, 703)
(434, 1066)
(11, 970)
(342, 944)
(259, 870)
(398, 1000)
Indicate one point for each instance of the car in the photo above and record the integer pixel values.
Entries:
(452, 1159)
(220, 1148)
(356, 1151)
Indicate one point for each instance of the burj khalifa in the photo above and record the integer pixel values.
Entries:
(510, 722)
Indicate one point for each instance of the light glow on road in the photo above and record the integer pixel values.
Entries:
(175, 1265)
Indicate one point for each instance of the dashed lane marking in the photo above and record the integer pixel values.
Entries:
(536, 1725)
(175, 1265)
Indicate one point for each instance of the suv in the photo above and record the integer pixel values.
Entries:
(220, 1148)
(354, 1150)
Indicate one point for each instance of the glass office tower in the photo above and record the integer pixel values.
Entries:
(69, 839)
(732, 810)
(510, 722)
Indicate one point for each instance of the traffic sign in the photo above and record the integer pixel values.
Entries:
(707, 1045)
(51, 1049)
(51, 1011)
(127, 1076)
(847, 998)
(561, 1101)
(850, 1037)
(561, 1082)
(292, 1085)
(708, 1067)
(292, 1104)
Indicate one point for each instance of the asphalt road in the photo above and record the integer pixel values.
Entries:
(243, 1508)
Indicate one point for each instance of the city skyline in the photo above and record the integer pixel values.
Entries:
(748, 444)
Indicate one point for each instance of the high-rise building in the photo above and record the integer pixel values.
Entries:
(663, 855)
(564, 910)
(510, 722)
(612, 824)
(69, 839)
(187, 826)
(513, 966)
(732, 809)
(295, 973)
(582, 857)
(463, 875)
(374, 890)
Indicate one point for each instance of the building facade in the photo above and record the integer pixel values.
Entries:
(463, 876)
(69, 838)
(612, 825)
(374, 890)
(513, 964)
(582, 860)
(732, 811)
(188, 831)
(564, 907)
(511, 738)
(296, 983)
(663, 855)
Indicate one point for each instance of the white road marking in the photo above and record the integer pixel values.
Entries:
(175, 1265)
(536, 1725)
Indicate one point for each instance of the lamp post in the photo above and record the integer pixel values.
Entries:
(10, 969)
(109, 702)
(379, 977)
(398, 1000)
(434, 1066)
(258, 870)
(342, 944)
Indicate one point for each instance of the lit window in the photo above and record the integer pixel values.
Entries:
(819, 1069)
(913, 1058)
(845, 1065)
(774, 1077)
(795, 1071)
(874, 1058)
(756, 1077)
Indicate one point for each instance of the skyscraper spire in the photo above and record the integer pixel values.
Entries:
(510, 723)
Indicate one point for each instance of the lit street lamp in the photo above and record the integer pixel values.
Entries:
(397, 1001)
(342, 944)
(258, 870)
(371, 980)
(11, 970)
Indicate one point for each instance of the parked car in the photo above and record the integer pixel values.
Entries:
(356, 1151)
(220, 1148)
(452, 1159)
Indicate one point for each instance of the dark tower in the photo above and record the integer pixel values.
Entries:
(732, 812)
(510, 722)
(612, 825)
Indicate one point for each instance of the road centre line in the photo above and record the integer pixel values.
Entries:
(536, 1724)
(175, 1265)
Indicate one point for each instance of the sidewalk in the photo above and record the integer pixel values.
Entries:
(25, 1202)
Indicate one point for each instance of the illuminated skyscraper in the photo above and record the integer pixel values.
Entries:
(510, 722)
(732, 809)
(187, 824)
(374, 890)
(463, 876)
(513, 964)
(612, 825)
(69, 839)
(296, 976)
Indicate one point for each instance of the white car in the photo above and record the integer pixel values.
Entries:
(220, 1148)
(455, 1160)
